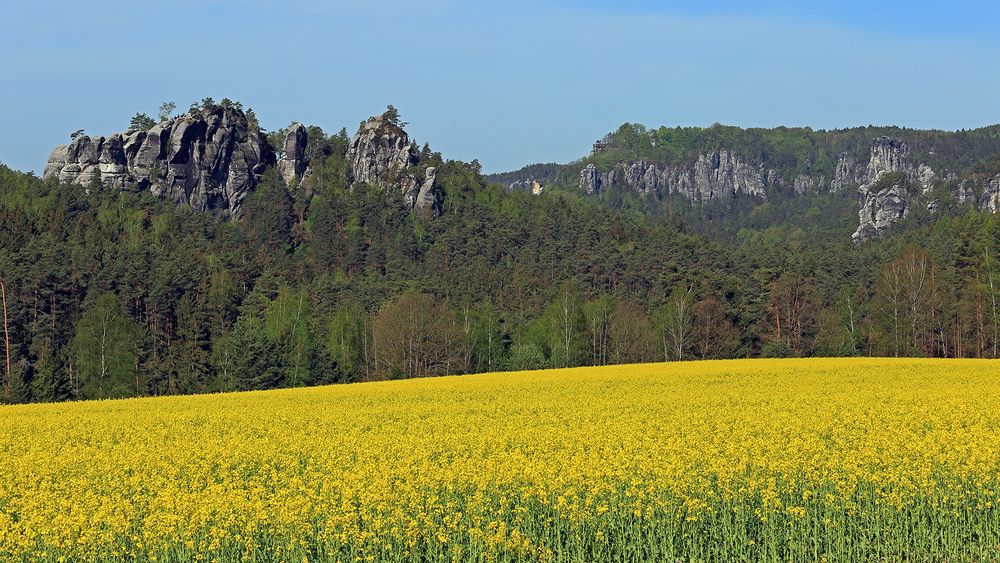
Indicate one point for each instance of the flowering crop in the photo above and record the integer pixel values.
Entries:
(744, 459)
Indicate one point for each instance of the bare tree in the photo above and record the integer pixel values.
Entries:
(792, 310)
(598, 314)
(675, 320)
(416, 335)
(889, 292)
(915, 270)
(713, 335)
(6, 337)
(991, 284)
(631, 334)
(565, 320)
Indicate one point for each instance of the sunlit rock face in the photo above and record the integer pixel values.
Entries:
(209, 159)
(380, 154)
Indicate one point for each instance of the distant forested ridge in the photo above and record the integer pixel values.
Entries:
(333, 258)
(723, 178)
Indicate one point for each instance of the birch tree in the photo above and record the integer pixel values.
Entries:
(674, 323)
(105, 350)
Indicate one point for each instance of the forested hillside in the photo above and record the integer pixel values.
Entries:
(723, 178)
(116, 290)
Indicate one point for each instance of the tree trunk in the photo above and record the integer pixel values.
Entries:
(6, 333)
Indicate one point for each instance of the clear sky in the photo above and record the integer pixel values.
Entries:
(508, 82)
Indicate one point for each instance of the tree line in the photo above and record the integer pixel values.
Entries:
(112, 293)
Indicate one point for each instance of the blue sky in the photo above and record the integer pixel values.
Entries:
(509, 83)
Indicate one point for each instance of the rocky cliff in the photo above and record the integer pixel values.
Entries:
(533, 186)
(888, 175)
(212, 158)
(380, 154)
(292, 164)
(883, 203)
(715, 175)
(208, 158)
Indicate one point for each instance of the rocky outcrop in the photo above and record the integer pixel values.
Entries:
(887, 155)
(591, 179)
(724, 174)
(713, 176)
(721, 174)
(209, 159)
(292, 164)
(530, 185)
(881, 206)
(380, 154)
(804, 183)
(965, 192)
(990, 200)
(847, 174)
(427, 196)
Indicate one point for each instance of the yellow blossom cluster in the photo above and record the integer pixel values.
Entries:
(842, 459)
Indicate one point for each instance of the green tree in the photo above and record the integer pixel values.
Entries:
(391, 116)
(141, 122)
(166, 109)
(191, 351)
(50, 383)
(105, 351)
(567, 326)
(346, 341)
(289, 326)
(249, 355)
(267, 219)
(525, 356)
(483, 330)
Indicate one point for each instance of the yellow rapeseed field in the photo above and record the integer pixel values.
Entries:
(841, 459)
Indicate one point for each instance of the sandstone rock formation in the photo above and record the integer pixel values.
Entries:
(530, 185)
(292, 164)
(380, 154)
(805, 183)
(208, 158)
(880, 209)
(990, 200)
(714, 175)
(881, 206)
(847, 175)
(723, 174)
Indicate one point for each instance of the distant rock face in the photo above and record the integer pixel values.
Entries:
(990, 200)
(965, 193)
(292, 164)
(882, 206)
(847, 174)
(722, 174)
(427, 196)
(805, 183)
(887, 155)
(715, 175)
(880, 209)
(209, 159)
(529, 185)
(380, 155)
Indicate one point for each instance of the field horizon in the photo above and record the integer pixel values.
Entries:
(521, 373)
